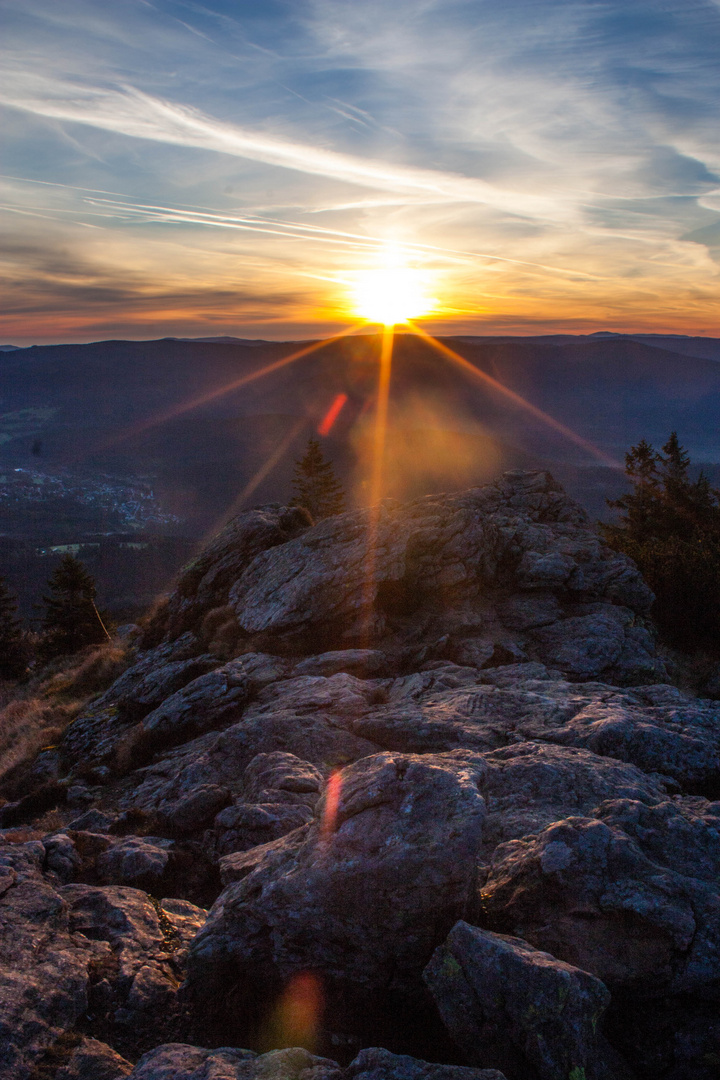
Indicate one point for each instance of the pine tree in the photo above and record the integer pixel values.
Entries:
(670, 526)
(13, 650)
(315, 484)
(71, 620)
(664, 502)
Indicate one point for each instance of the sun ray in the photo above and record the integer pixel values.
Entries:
(516, 399)
(381, 414)
(210, 395)
(377, 479)
(256, 479)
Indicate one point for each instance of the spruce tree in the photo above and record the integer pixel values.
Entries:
(670, 526)
(315, 484)
(71, 620)
(13, 650)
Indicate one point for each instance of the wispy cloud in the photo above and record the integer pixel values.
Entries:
(550, 159)
(131, 112)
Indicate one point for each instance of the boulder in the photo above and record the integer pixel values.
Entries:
(457, 565)
(204, 582)
(656, 728)
(203, 704)
(503, 1000)
(43, 966)
(181, 1062)
(361, 897)
(378, 1064)
(608, 894)
(93, 1060)
(353, 661)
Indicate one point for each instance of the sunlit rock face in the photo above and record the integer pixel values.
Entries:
(408, 788)
(508, 570)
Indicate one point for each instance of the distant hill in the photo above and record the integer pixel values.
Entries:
(121, 407)
(103, 438)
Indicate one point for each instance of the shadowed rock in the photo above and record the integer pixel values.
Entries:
(362, 898)
(501, 999)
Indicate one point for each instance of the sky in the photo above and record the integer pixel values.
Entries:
(243, 168)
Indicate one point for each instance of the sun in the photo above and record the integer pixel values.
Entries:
(392, 293)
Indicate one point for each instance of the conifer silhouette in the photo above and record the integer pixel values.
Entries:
(670, 526)
(315, 484)
(71, 620)
(13, 651)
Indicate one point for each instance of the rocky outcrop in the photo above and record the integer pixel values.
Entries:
(178, 1062)
(501, 999)
(425, 769)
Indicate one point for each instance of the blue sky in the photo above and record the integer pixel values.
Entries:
(231, 168)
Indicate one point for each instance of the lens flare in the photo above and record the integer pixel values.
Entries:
(297, 1017)
(326, 424)
(332, 801)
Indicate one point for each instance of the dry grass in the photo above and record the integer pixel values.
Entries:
(34, 715)
(220, 631)
(27, 725)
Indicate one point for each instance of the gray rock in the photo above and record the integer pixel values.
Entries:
(135, 861)
(194, 811)
(93, 821)
(94, 736)
(203, 704)
(204, 583)
(180, 1062)
(501, 998)
(369, 890)
(378, 1064)
(527, 786)
(299, 717)
(354, 661)
(527, 611)
(658, 729)
(279, 794)
(93, 1060)
(43, 967)
(61, 857)
(584, 645)
(617, 903)
(451, 554)
(162, 681)
(299, 781)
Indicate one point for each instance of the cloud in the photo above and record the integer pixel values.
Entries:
(132, 112)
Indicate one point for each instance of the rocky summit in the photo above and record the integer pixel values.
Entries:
(406, 794)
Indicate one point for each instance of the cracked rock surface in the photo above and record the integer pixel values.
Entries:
(430, 811)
